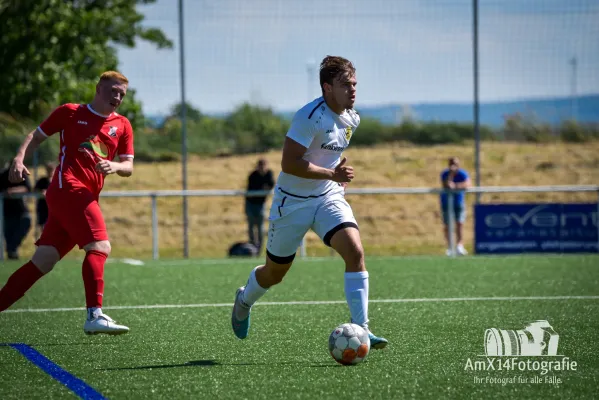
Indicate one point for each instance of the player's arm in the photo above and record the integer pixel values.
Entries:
(464, 182)
(126, 167)
(32, 141)
(123, 168)
(293, 163)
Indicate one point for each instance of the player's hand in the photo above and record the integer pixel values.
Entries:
(106, 167)
(17, 172)
(343, 173)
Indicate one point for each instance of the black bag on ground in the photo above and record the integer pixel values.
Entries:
(243, 249)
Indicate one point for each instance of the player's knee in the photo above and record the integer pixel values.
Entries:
(102, 246)
(275, 272)
(45, 258)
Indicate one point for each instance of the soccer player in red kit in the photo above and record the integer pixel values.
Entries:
(91, 136)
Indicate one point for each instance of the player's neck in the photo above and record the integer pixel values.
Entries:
(334, 106)
(97, 108)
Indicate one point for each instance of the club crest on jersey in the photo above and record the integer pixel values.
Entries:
(348, 133)
(112, 131)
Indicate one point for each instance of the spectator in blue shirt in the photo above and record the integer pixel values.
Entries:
(455, 177)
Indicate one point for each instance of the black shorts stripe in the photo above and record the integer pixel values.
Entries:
(315, 108)
(329, 235)
(280, 260)
(282, 204)
(304, 197)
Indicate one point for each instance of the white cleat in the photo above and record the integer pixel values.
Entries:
(461, 250)
(103, 324)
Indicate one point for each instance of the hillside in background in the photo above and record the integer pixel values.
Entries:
(551, 110)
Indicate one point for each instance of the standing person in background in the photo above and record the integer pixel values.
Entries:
(41, 186)
(454, 177)
(260, 179)
(17, 220)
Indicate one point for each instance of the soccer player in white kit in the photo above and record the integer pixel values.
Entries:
(310, 194)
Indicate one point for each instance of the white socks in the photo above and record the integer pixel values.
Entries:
(356, 294)
(253, 291)
(93, 313)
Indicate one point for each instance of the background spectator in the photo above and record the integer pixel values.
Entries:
(17, 220)
(454, 177)
(259, 179)
(41, 186)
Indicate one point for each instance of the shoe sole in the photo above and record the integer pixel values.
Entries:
(113, 333)
(233, 317)
(380, 346)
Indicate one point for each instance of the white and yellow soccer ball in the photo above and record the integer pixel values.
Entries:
(349, 344)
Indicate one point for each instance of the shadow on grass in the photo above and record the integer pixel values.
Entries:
(213, 363)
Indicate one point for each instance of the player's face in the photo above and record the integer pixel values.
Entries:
(344, 90)
(111, 94)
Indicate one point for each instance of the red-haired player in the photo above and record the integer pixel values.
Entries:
(91, 136)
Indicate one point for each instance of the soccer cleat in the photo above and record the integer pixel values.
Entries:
(376, 342)
(241, 328)
(103, 324)
(461, 250)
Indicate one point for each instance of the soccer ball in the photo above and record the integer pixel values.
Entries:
(349, 344)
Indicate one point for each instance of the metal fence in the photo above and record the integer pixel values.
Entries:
(481, 61)
(155, 195)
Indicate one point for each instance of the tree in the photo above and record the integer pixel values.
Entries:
(53, 51)
(255, 129)
(191, 113)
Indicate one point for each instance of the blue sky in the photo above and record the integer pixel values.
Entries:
(405, 51)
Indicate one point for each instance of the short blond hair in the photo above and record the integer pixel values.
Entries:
(114, 76)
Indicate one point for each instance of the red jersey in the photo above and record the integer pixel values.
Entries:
(86, 137)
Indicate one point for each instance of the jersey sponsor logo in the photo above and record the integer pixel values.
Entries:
(348, 133)
(332, 147)
(112, 131)
(95, 145)
(82, 122)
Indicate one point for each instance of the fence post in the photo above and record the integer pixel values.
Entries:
(1, 227)
(155, 255)
(303, 247)
(451, 222)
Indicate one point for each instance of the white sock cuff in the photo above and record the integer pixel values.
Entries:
(356, 275)
(254, 280)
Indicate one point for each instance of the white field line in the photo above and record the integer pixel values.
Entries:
(301, 303)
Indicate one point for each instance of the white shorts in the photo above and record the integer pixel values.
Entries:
(291, 217)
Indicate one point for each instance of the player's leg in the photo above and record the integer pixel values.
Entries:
(53, 244)
(86, 225)
(460, 218)
(445, 217)
(289, 222)
(336, 225)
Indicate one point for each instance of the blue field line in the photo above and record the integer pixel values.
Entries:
(76, 385)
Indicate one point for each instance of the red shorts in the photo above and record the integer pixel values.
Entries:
(74, 218)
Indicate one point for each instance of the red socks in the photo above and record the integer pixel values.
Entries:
(18, 283)
(93, 277)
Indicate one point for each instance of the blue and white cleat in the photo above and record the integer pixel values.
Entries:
(241, 327)
(376, 342)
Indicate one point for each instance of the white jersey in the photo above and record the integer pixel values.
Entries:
(325, 134)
